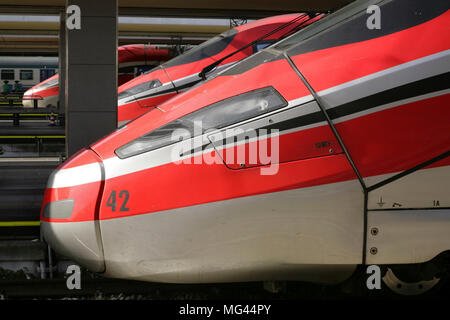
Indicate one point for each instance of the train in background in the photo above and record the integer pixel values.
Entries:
(353, 165)
(181, 73)
(133, 60)
(27, 71)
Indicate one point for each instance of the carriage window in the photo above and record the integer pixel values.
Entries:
(7, 74)
(26, 74)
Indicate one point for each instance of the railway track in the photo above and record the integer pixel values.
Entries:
(56, 288)
(103, 288)
(94, 287)
(107, 289)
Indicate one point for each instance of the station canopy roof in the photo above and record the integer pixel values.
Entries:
(205, 8)
(33, 25)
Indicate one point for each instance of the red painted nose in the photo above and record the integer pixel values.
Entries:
(69, 221)
(129, 111)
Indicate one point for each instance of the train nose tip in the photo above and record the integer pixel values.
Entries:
(26, 98)
(68, 216)
(75, 240)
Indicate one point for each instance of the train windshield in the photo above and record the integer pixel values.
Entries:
(262, 45)
(333, 30)
(148, 85)
(349, 24)
(205, 50)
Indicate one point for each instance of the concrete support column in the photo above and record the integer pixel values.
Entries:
(62, 64)
(91, 74)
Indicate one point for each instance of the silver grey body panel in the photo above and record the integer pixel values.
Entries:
(78, 240)
(289, 235)
(412, 217)
(408, 236)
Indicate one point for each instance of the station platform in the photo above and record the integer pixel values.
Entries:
(31, 130)
(22, 186)
(11, 99)
(17, 114)
(19, 109)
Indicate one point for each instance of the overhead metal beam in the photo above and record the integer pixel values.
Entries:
(50, 47)
(181, 8)
(158, 12)
(200, 12)
(28, 51)
(21, 27)
(28, 9)
(38, 36)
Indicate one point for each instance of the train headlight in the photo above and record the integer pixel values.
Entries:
(215, 116)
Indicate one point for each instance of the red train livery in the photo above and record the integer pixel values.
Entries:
(361, 122)
(147, 91)
(129, 57)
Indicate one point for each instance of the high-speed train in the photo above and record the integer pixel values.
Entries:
(324, 152)
(181, 73)
(129, 57)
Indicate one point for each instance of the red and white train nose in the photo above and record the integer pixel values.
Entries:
(69, 222)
